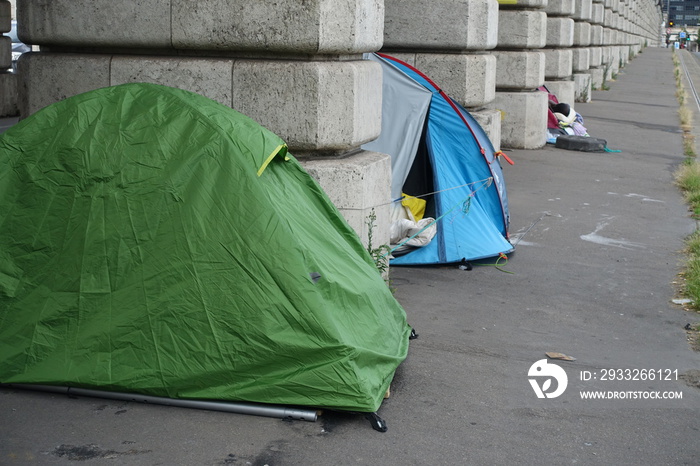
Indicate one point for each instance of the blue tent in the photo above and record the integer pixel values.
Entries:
(442, 155)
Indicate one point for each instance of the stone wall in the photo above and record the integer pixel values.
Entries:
(558, 52)
(297, 67)
(582, 52)
(450, 42)
(294, 67)
(521, 70)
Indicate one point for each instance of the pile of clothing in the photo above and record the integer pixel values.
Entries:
(563, 120)
(565, 128)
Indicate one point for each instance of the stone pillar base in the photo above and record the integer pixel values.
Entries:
(356, 184)
(524, 119)
(8, 95)
(490, 122)
(564, 90)
(582, 83)
(597, 77)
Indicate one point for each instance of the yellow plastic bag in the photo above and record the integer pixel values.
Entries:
(415, 205)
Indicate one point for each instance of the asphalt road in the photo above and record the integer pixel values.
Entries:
(599, 240)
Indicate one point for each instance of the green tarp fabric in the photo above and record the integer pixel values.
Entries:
(157, 242)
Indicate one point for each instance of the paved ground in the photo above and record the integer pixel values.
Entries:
(599, 239)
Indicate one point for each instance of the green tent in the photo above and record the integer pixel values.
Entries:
(153, 241)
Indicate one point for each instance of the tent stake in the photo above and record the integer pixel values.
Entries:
(276, 411)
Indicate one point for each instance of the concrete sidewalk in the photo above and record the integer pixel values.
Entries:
(598, 240)
(598, 247)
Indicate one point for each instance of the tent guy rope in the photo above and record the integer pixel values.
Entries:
(464, 208)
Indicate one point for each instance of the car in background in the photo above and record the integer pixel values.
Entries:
(18, 47)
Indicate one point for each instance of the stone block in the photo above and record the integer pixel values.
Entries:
(582, 83)
(441, 25)
(560, 8)
(522, 29)
(614, 62)
(627, 26)
(69, 75)
(617, 37)
(582, 10)
(209, 77)
(5, 16)
(523, 119)
(609, 37)
(9, 95)
(597, 13)
(490, 122)
(564, 90)
(519, 70)
(558, 63)
(624, 54)
(468, 78)
(597, 77)
(560, 32)
(5, 53)
(607, 56)
(596, 56)
(357, 184)
(283, 26)
(581, 59)
(582, 34)
(314, 106)
(608, 18)
(596, 34)
(98, 23)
